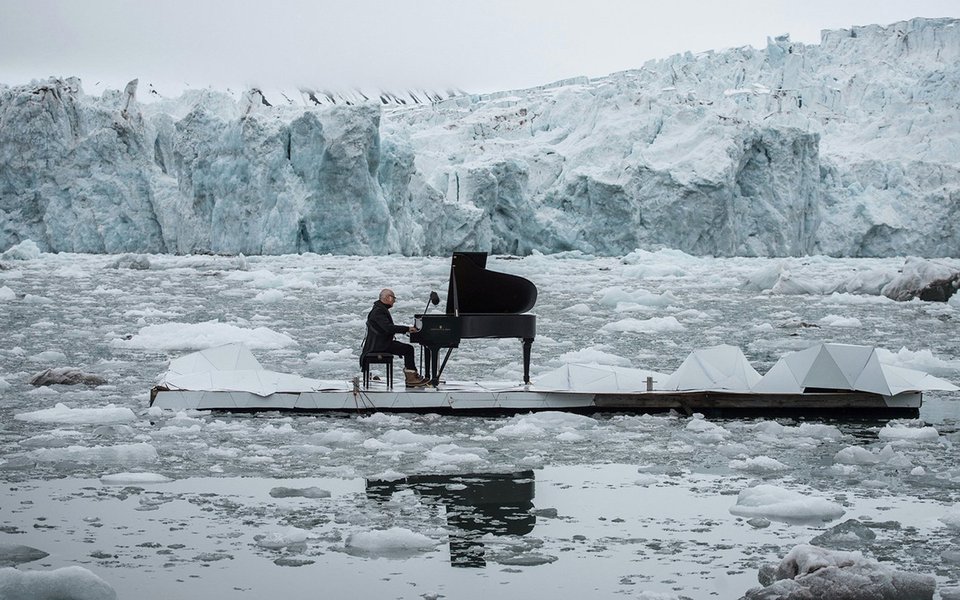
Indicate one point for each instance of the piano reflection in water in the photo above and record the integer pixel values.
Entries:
(480, 304)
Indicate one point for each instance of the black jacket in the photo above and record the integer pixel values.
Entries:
(380, 329)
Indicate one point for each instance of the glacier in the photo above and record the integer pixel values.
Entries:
(847, 148)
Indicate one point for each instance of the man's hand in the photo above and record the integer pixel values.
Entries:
(412, 329)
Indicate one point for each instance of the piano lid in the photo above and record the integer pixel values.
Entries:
(474, 289)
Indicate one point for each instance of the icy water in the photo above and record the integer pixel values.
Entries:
(605, 507)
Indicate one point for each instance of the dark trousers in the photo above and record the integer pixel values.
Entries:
(406, 351)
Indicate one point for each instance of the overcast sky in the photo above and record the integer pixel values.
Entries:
(473, 45)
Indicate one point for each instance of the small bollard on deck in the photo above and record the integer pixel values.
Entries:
(649, 384)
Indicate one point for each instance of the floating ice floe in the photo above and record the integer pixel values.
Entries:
(25, 250)
(62, 413)
(12, 555)
(389, 541)
(182, 336)
(118, 454)
(813, 572)
(282, 538)
(68, 582)
(133, 478)
(781, 504)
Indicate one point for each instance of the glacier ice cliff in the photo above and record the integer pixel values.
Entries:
(850, 147)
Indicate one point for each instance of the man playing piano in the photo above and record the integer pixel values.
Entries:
(380, 332)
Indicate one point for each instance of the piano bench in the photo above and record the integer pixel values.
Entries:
(384, 358)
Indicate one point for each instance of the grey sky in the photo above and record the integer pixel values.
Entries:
(477, 46)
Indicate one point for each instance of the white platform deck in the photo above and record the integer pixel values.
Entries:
(467, 397)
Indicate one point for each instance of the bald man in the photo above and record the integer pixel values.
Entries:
(380, 332)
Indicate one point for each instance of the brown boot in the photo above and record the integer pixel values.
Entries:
(413, 378)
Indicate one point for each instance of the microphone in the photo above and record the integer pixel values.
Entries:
(434, 299)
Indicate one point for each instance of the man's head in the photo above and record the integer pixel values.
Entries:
(387, 297)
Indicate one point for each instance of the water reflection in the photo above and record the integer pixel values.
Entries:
(476, 504)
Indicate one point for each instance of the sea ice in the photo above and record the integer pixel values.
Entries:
(652, 325)
(12, 555)
(310, 492)
(66, 376)
(49, 356)
(914, 434)
(759, 464)
(393, 540)
(282, 538)
(450, 456)
(121, 453)
(855, 455)
(25, 250)
(951, 518)
(62, 413)
(781, 504)
(75, 583)
(808, 572)
(542, 423)
(405, 437)
(191, 336)
(840, 321)
(133, 478)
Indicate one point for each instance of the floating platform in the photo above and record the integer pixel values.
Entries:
(464, 398)
(832, 380)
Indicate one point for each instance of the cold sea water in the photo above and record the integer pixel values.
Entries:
(191, 505)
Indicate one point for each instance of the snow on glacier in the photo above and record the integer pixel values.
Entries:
(848, 148)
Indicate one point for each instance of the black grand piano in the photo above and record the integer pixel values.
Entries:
(480, 304)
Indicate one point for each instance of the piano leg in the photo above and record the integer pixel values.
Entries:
(527, 343)
(433, 362)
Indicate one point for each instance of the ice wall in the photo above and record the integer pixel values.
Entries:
(850, 147)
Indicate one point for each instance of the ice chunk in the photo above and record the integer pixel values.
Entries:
(652, 325)
(25, 250)
(759, 464)
(952, 518)
(133, 478)
(849, 535)
(839, 321)
(62, 413)
(542, 423)
(282, 538)
(66, 376)
(270, 296)
(593, 355)
(389, 541)
(812, 572)
(122, 454)
(310, 492)
(16, 554)
(75, 583)
(452, 455)
(785, 505)
(6, 294)
(49, 356)
(189, 336)
(855, 455)
(405, 436)
(914, 434)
